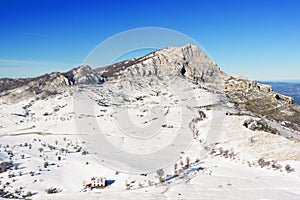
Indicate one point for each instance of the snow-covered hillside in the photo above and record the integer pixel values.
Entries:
(152, 136)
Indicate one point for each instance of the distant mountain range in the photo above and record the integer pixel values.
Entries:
(291, 89)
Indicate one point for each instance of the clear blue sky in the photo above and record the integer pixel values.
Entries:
(258, 39)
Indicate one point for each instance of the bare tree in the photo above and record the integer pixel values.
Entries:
(225, 153)
(181, 163)
(261, 161)
(221, 150)
(160, 173)
(175, 169)
(213, 151)
(188, 162)
(288, 168)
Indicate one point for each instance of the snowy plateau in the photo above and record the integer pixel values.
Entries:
(238, 138)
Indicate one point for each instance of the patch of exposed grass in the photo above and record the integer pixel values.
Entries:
(28, 133)
(264, 104)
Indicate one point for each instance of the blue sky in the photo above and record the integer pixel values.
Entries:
(257, 39)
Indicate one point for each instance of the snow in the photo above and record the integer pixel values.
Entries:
(214, 177)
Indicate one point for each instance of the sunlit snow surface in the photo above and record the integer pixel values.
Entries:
(52, 125)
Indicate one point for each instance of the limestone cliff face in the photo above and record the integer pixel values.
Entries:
(287, 99)
(244, 84)
(188, 61)
(240, 84)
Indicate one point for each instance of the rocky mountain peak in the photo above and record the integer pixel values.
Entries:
(188, 61)
(83, 74)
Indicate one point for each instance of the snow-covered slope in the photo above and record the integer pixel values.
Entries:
(218, 153)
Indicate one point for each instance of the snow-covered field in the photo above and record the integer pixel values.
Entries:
(40, 138)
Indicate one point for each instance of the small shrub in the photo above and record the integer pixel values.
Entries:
(288, 168)
(53, 190)
(4, 166)
(41, 149)
(28, 194)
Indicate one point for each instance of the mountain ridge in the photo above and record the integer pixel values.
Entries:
(291, 89)
(188, 62)
(169, 61)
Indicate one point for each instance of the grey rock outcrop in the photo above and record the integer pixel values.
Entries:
(287, 99)
(188, 61)
(48, 84)
(245, 84)
(83, 75)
